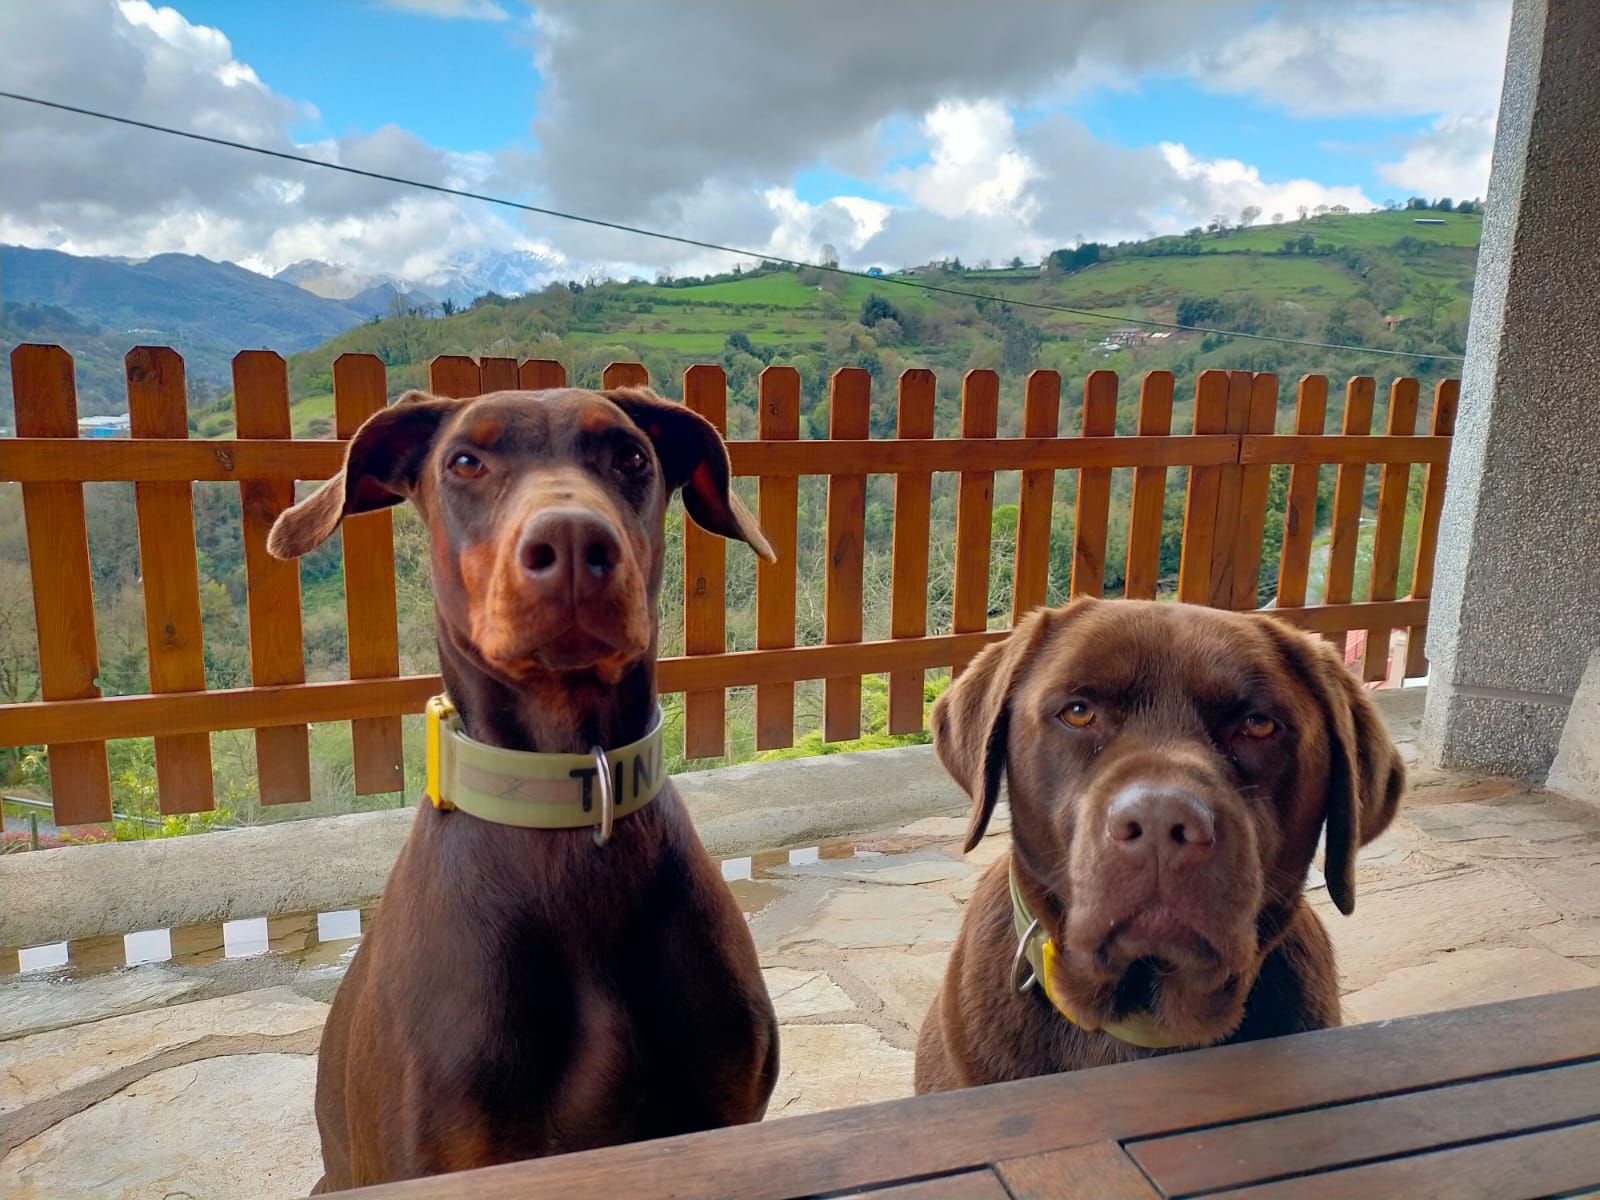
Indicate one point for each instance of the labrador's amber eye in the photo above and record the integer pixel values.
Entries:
(1259, 725)
(1078, 714)
(468, 466)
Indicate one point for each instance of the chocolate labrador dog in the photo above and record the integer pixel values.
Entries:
(524, 991)
(1169, 770)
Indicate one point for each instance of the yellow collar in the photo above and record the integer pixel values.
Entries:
(535, 790)
(1038, 949)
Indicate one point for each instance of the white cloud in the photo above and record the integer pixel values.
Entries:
(696, 119)
(468, 10)
(1450, 159)
(1384, 59)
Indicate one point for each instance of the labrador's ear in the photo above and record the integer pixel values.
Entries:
(694, 458)
(1365, 775)
(381, 465)
(971, 722)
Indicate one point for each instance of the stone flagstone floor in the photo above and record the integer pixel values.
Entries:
(193, 1077)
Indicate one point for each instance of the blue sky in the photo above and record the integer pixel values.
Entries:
(910, 131)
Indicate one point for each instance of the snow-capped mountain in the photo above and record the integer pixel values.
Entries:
(461, 280)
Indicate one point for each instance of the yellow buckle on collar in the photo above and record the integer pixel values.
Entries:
(1038, 951)
(438, 710)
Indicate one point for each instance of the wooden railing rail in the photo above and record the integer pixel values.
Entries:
(1229, 455)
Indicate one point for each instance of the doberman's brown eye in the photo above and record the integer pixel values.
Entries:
(468, 466)
(1078, 714)
(1259, 725)
(631, 461)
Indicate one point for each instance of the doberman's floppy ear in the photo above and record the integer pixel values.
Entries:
(1365, 775)
(971, 722)
(380, 468)
(693, 458)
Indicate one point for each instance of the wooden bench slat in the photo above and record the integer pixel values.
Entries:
(370, 605)
(1446, 396)
(1300, 509)
(965, 1185)
(1549, 1163)
(849, 416)
(44, 392)
(1349, 485)
(969, 600)
(1100, 1171)
(777, 509)
(963, 1131)
(1148, 504)
(1093, 508)
(705, 588)
(1232, 1155)
(272, 586)
(1041, 416)
(169, 567)
(908, 571)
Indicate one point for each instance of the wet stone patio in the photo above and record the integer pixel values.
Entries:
(191, 1074)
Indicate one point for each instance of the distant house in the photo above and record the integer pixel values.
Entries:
(875, 272)
(1427, 220)
(1393, 321)
(117, 425)
(1132, 336)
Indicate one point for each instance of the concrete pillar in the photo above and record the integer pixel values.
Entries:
(1516, 605)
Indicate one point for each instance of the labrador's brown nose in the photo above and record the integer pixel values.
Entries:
(1172, 826)
(569, 553)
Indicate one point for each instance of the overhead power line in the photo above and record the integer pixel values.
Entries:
(620, 227)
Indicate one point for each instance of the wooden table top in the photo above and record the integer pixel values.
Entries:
(1498, 1101)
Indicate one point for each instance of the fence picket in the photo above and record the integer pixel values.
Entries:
(1446, 395)
(624, 374)
(371, 619)
(158, 408)
(537, 374)
(1204, 491)
(1394, 480)
(1300, 507)
(455, 375)
(497, 374)
(1230, 485)
(849, 416)
(1253, 481)
(1149, 492)
(969, 600)
(705, 630)
(1229, 454)
(1347, 491)
(1041, 418)
(777, 506)
(44, 391)
(908, 571)
(1094, 489)
(272, 586)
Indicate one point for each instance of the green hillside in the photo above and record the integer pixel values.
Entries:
(1335, 281)
(1329, 279)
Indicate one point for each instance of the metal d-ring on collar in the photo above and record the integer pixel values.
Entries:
(608, 795)
(1019, 961)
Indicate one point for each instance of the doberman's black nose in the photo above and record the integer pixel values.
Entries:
(569, 553)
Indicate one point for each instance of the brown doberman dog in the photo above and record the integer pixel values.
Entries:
(523, 991)
(1169, 769)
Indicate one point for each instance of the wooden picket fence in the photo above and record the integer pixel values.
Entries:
(1229, 451)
